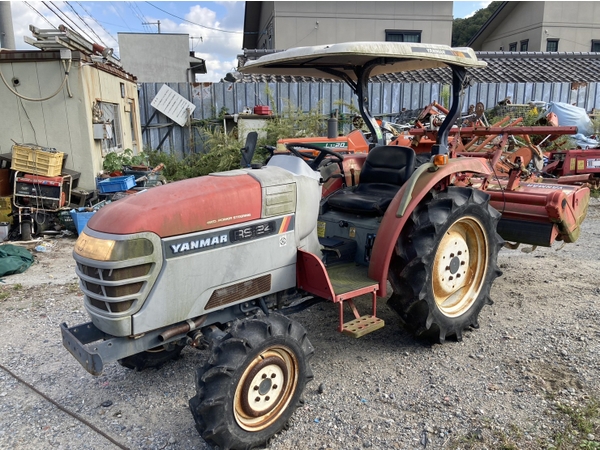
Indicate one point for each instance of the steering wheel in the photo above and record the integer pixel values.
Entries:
(313, 161)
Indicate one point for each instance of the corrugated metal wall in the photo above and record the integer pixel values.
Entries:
(386, 99)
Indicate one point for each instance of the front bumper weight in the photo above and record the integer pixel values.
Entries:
(78, 339)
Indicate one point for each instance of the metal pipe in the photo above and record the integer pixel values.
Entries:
(7, 34)
(484, 131)
(182, 328)
(441, 144)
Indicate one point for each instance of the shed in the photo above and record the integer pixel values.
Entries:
(68, 97)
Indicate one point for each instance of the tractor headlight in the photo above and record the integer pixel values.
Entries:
(110, 250)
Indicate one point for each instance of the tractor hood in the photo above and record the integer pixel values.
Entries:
(341, 61)
(183, 207)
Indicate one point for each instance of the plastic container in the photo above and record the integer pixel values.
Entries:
(4, 229)
(36, 160)
(81, 218)
(263, 110)
(116, 184)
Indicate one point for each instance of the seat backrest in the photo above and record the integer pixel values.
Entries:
(389, 164)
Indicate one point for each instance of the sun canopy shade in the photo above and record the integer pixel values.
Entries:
(331, 61)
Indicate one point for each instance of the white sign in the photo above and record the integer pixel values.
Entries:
(173, 105)
(593, 163)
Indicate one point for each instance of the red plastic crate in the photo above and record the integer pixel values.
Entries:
(262, 110)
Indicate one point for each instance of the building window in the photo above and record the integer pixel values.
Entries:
(512, 47)
(113, 141)
(402, 36)
(552, 45)
(595, 46)
(524, 45)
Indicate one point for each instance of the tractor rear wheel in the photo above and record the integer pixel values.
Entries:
(153, 358)
(252, 382)
(445, 262)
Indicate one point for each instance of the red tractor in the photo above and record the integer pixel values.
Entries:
(224, 260)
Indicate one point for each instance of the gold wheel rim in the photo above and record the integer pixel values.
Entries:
(266, 388)
(460, 265)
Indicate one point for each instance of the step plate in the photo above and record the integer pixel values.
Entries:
(363, 325)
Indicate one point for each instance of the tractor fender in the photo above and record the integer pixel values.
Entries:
(403, 204)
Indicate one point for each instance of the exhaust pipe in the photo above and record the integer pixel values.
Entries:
(182, 328)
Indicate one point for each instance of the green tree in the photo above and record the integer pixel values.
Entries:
(464, 29)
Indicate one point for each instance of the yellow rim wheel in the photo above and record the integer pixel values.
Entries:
(265, 388)
(460, 266)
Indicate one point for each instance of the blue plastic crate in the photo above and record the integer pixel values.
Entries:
(116, 184)
(81, 218)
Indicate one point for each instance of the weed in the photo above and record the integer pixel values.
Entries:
(583, 420)
(17, 287)
(72, 288)
(114, 161)
(223, 148)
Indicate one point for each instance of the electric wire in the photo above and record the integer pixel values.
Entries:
(86, 24)
(65, 19)
(30, 122)
(194, 23)
(63, 409)
(41, 15)
(116, 9)
(65, 81)
(138, 12)
(99, 24)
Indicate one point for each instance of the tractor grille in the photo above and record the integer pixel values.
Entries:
(239, 291)
(113, 290)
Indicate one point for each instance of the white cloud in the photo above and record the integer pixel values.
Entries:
(218, 48)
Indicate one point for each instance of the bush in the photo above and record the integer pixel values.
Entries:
(223, 149)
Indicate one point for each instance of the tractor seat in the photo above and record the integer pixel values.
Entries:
(385, 170)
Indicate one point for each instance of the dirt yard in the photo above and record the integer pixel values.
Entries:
(528, 378)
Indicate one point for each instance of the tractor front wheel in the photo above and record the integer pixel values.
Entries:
(445, 263)
(252, 382)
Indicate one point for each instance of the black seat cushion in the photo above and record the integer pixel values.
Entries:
(385, 170)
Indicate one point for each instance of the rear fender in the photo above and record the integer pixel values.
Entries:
(403, 204)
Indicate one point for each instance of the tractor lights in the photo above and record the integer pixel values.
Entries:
(440, 160)
(109, 250)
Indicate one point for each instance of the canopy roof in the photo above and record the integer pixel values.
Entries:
(337, 61)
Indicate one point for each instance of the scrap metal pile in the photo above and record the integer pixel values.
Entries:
(546, 151)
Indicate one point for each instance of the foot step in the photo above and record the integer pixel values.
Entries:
(363, 325)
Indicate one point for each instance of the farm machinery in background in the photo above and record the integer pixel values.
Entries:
(223, 261)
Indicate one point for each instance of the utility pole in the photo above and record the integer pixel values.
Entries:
(7, 35)
(153, 23)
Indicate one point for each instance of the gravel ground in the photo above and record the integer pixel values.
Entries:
(528, 378)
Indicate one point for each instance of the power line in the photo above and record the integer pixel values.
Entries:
(194, 23)
(86, 24)
(140, 15)
(120, 17)
(92, 17)
(65, 19)
(41, 15)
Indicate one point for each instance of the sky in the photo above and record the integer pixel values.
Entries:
(215, 28)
